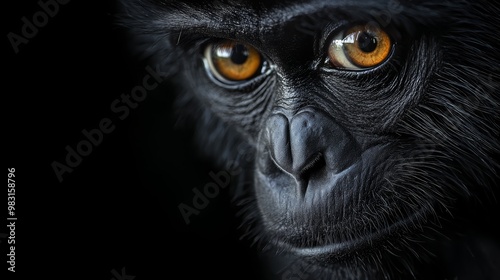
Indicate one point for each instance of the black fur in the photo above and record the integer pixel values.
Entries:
(434, 106)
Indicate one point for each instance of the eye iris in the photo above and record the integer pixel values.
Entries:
(366, 42)
(360, 47)
(371, 47)
(234, 61)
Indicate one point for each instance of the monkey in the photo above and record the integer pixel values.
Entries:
(366, 132)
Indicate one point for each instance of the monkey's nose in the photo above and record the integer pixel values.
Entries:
(310, 142)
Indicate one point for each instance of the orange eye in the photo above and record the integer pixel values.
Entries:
(233, 61)
(361, 47)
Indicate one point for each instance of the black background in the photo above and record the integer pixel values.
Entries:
(119, 207)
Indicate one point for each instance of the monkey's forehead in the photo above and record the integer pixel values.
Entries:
(251, 19)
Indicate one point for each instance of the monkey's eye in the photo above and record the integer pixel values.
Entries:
(360, 47)
(233, 61)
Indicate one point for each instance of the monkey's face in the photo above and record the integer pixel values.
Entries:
(368, 121)
(360, 126)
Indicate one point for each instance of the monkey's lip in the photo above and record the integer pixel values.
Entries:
(343, 249)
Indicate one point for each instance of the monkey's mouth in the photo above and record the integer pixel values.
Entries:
(364, 243)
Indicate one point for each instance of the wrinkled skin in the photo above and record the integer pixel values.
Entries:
(381, 172)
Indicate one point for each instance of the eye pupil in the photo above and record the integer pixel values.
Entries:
(366, 42)
(239, 54)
